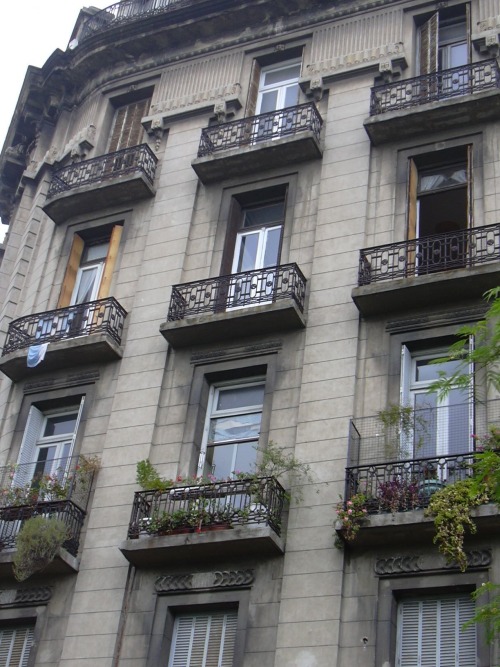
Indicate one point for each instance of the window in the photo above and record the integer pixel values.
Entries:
(15, 645)
(232, 428)
(204, 640)
(127, 129)
(430, 634)
(441, 426)
(439, 209)
(443, 41)
(90, 266)
(279, 86)
(48, 442)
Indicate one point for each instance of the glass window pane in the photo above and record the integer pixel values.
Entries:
(234, 427)
(246, 457)
(86, 286)
(247, 258)
(282, 75)
(264, 215)
(428, 372)
(60, 424)
(268, 101)
(272, 248)
(458, 55)
(240, 397)
(224, 460)
(94, 252)
(291, 96)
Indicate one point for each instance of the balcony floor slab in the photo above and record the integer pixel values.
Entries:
(261, 156)
(239, 542)
(63, 563)
(230, 325)
(92, 349)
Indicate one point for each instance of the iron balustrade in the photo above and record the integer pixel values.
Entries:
(32, 489)
(104, 168)
(125, 11)
(229, 503)
(430, 254)
(102, 316)
(400, 486)
(264, 127)
(441, 85)
(237, 290)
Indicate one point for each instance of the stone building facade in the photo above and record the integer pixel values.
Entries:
(235, 223)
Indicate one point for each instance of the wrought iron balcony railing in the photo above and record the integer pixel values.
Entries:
(445, 84)
(125, 11)
(104, 168)
(430, 254)
(102, 316)
(238, 290)
(400, 486)
(202, 507)
(59, 489)
(250, 131)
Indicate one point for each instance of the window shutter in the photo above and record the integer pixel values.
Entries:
(127, 128)
(71, 270)
(109, 264)
(204, 640)
(428, 56)
(253, 90)
(430, 633)
(15, 645)
(77, 424)
(470, 188)
(27, 454)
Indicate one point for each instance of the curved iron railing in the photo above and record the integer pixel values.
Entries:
(102, 316)
(430, 254)
(225, 503)
(125, 11)
(400, 486)
(104, 168)
(237, 290)
(464, 80)
(64, 495)
(264, 127)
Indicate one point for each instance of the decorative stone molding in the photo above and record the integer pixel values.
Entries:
(312, 88)
(416, 564)
(17, 597)
(369, 57)
(270, 347)
(73, 380)
(437, 319)
(389, 70)
(171, 583)
(487, 43)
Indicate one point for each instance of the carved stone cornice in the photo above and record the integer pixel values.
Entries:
(73, 380)
(437, 318)
(418, 564)
(19, 597)
(269, 347)
(177, 583)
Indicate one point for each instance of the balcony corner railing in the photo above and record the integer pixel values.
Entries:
(102, 316)
(264, 127)
(104, 168)
(237, 290)
(464, 248)
(60, 491)
(195, 508)
(441, 85)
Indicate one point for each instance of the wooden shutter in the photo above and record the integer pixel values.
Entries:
(15, 646)
(233, 225)
(68, 285)
(253, 90)
(428, 45)
(430, 633)
(77, 424)
(109, 264)
(127, 129)
(470, 188)
(27, 453)
(412, 216)
(204, 640)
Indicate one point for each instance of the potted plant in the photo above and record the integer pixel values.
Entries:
(350, 516)
(37, 544)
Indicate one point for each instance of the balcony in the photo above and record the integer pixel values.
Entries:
(88, 333)
(241, 304)
(108, 180)
(124, 12)
(258, 143)
(434, 102)
(398, 467)
(60, 492)
(440, 267)
(236, 518)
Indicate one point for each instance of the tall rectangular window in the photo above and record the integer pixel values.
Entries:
(204, 640)
(443, 40)
(15, 645)
(127, 129)
(430, 634)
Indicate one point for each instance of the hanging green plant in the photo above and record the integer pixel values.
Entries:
(37, 544)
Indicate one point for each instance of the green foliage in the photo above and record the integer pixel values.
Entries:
(451, 508)
(488, 613)
(148, 478)
(37, 544)
(274, 462)
(485, 355)
(351, 515)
